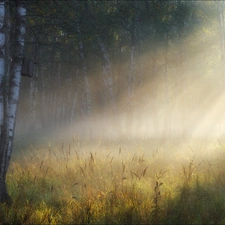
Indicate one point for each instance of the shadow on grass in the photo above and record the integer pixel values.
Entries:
(199, 204)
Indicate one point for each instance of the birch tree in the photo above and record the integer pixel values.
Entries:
(9, 86)
(2, 62)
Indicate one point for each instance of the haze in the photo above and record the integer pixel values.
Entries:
(170, 99)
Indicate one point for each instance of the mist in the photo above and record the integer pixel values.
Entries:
(120, 116)
(177, 93)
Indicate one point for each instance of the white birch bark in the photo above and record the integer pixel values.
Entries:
(3, 124)
(16, 73)
(2, 61)
(12, 95)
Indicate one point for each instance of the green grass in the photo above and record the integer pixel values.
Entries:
(110, 183)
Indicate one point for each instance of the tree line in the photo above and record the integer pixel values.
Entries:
(98, 52)
(89, 59)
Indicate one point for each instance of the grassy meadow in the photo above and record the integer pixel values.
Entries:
(117, 182)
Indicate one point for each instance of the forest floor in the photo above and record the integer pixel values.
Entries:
(117, 182)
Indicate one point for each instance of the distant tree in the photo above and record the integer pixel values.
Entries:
(10, 73)
(94, 49)
(221, 7)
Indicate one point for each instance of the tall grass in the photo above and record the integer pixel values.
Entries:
(108, 183)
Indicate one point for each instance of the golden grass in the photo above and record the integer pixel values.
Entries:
(110, 183)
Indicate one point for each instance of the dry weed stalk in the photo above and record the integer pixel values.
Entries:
(157, 195)
(188, 172)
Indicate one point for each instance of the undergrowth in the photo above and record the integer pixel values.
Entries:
(74, 184)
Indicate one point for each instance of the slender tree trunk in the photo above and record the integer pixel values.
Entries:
(10, 96)
(86, 94)
(43, 110)
(133, 71)
(33, 89)
(133, 58)
(73, 108)
(3, 110)
(2, 63)
(53, 90)
(180, 95)
(109, 98)
(107, 76)
(69, 83)
(167, 116)
(221, 7)
(58, 96)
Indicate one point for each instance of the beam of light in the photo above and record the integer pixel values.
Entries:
(211, 122)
